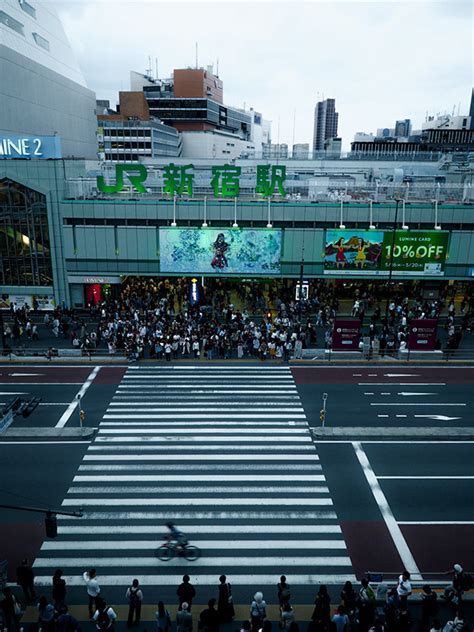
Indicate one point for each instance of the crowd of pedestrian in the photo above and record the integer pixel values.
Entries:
(156, 318)
(361, 609)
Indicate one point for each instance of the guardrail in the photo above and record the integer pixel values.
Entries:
(315, 354)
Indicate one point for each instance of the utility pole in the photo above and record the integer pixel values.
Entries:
(322, 412)
(390, 270)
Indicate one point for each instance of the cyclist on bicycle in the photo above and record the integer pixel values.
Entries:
(176, 535)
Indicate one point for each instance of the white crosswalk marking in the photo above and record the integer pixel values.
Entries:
(224, 452)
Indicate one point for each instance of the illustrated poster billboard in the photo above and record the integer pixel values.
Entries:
(220, 250)
(369, 252)
(422, 334)
(346, 335)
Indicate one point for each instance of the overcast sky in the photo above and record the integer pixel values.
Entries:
(381, 61)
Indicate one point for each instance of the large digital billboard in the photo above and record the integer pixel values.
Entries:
(369, 252)
(220, 250)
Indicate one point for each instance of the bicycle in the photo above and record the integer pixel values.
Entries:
(168, 550)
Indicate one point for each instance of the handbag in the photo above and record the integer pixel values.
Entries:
(16, 607)
(229, 593)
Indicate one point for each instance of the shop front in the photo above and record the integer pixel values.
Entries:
(88, 291)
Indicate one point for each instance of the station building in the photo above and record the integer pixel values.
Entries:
(64, 240)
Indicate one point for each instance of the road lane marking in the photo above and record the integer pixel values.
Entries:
(199, 457)
(369, 393)
(232, 448)
(192, 501)
(209, 389)
(402, 384)
(212, 416)
(208, 424)
(264, 545)
(428, 522)
(438, 417)
(205, 489)
(178, 516)
(401, 415)
(427, 478)
(411, 394)
(413, 404)
(382, 415)
(75, 402)
(401, 375)
(48, 443)
(212, 529)
(144, 478)
(214, 409)
(220, 562)
(397, 536)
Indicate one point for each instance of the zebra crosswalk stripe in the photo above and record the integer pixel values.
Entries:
(226, 454)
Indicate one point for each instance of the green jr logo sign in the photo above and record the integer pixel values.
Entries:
(180, 179)
(135, 180)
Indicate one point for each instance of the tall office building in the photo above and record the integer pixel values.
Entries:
(43, 94)
(325, 123)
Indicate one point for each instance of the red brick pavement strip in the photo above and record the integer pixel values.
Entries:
(110, 375)
(356, 375)
(44, 375)
(437, 547)
(370, 547)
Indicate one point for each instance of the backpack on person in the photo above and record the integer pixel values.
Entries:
(258, 610)
(133, 596)
(103, 620)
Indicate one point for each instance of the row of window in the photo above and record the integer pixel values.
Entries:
(18, 27)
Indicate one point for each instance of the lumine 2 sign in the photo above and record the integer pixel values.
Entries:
(179, 179)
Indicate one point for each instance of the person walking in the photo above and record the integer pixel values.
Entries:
(366, 605)
(225, 605)
(93, 589)
(163, 618)
(135, 598)
(104, 616)
(66, 622)
(340, 619)
(184, 619)
(322, 606)
(404, 589)
(258, 611)
(11, 610)
(46, 615)
(25, 578)
(287, 616)
(186, 592)
(283, 590)
(209, 618)
(59, 589)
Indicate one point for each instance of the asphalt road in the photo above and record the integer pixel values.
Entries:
(225, 451)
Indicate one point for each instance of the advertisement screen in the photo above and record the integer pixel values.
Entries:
(349, 250)
(369, 252)
(220, 250)
(346, 335)
(423, 251)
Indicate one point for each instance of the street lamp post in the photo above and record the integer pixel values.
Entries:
(371, 219)
(269, 223)
(235, 225)
(173, 223)
(204, 224)
(390, 270)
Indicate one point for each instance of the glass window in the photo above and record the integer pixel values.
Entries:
(41, 41)
(11, 22)
(27, 8)
(25, 256)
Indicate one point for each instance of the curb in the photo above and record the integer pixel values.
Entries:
(361, 433)
(48, 434)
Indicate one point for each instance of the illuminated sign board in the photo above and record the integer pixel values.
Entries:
(220, 250)
(369, 252)
(27, 146)
(179, 180)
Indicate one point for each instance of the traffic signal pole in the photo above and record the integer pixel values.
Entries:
(49, 519)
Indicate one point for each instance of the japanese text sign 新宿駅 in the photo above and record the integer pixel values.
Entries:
(179, 180)
(369, 252)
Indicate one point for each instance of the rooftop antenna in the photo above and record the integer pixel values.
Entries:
(149, 70)
(156, 68)
(217, 67)
(454, 109)
(196, 55)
